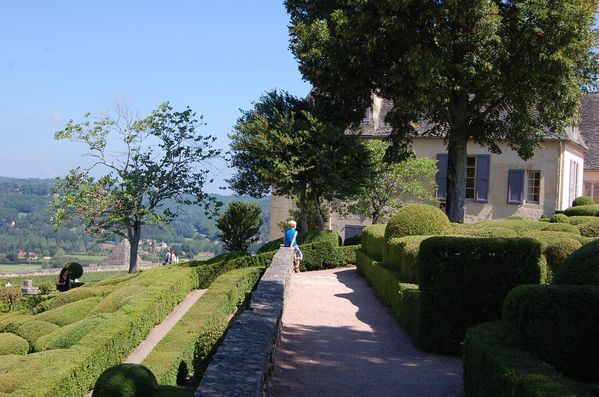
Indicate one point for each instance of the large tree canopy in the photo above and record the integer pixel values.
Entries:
(480, 70)
(282, 143)
(159, 157)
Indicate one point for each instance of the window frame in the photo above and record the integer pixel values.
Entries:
(530, 173)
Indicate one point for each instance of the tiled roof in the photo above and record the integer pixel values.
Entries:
(589, 129)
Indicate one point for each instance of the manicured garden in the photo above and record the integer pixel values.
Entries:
(517, 298)
(62, 345)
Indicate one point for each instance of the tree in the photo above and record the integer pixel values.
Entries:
(392, 185)
(468, 70)
(239, 225)
(160, 157)
(281, 142)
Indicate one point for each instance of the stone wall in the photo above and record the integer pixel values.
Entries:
(242, 363)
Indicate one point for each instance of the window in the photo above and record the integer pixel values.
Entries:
(591, 189)
(477, 177)
(573, 180)
(470, 177)
(367, 116)
(515, 187)
(533, 193)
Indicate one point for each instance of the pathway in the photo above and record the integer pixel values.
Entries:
(338, 339)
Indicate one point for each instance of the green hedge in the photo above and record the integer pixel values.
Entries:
(33, 329)
(77, 294)
(581, 267)
(547, 235)
(305, 238)
(559, 218)
(402, 254)
(69, 313)
(12, 344)
(578, 220)
(590, 228)
(11, 323)
(417, 220)
(463, 282)
(191, 342)
(561, 227)
(324, 255)
(558, 251)
(583, 200)
(126, 380)
(402, 298)
(492, 367)
(69, 335)
(582, 210)
(558, 324)
(490, 232)
(373, 240)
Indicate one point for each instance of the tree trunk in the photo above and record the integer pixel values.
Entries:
(456, 178)
(303, 210)
(319, 217)
(134, 236)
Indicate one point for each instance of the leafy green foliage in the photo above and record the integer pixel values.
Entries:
(561, 227)
(12, 344)
(126, 380)
(373, 240)
(417, 220)
(463, 282)
(9, 296)
(583, 200)
(32, 330)
(401, 253)
(281, 142)
(471, 71)
(582, 210)
(160, 161)
(392, 185)
(239, 225)
(553, 323)
(581, 267)
(559, 218)
(590, 228)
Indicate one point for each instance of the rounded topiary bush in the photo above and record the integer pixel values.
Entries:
(579, 220)
(558, 251)
(590, 228)
(583, 200)
(417, 220)
(582, 210)
(559, 218)
(126, 380)
(545, 218)
(75, 270)
(69, 335)
(12, 344)
(581, 267)
(32, 330)
(561, 227)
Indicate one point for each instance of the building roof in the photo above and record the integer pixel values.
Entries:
(586, 135)
(589, 129)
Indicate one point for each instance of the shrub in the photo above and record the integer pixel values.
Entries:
(557, 251)
(402, 298)
(46, 287)
(193, 339)
(402, 254)
(545, 218)
(463, 282)
(590, 228)
(583, 200)
(518, 226)
(305, 238)
(12, 344)
(69, 335)
(491, 232)
(558, 324)
(75, 270)
(324, 255)
(417, 220)
(492, 367)
(227, 256)
(69, 313)
(126, 380)
(31, 330)
(581, 267)
(9, 296)
(353, 240)
(71, 296)
(561, 227)
(578, 220)
(13, 322)
(582, 210)
(373, 240)
(559, 218)
(239, 225)
(551, 236)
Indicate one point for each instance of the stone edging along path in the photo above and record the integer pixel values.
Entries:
(242, 363)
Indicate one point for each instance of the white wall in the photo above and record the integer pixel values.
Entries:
(570, 153)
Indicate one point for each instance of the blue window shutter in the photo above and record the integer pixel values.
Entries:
(441, 176)
(515, 189)
(483, 164)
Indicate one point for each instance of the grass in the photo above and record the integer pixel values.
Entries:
(84, 259)
(15, 268)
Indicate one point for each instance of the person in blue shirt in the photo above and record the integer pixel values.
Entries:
(291, 241)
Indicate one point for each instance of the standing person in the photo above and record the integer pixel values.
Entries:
(63, 281)
(167, 258)
(291, 241)
(174, 258)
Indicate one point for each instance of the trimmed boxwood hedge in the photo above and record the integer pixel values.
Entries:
(417, 220)
(463, 282)
(324, 255)
(373, 240)
(32, 330)
(558, 324)
(559, 218)
(126, 380)
(69, 313)
(492, 367)
(78, 294)
(401, 254)
(582, 210)
(491, 232)
(557, 251)
(305, 238)
(12, 344)
(590, 228)
(561, 227)
(69, 335)
(402, 298)
(549, 235)
(581, 267)
(192, 340)
(11, 323)
(578, 220)
(583, 200)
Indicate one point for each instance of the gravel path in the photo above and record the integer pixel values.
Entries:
(338, 340)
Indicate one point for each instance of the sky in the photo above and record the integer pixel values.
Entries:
(61, 59)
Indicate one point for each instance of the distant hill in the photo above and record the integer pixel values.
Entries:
(25, 223)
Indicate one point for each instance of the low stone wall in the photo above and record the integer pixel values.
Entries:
(242, 363)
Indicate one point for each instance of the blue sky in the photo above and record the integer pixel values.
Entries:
(61, 59)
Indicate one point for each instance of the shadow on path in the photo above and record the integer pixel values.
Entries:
(339, 340)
